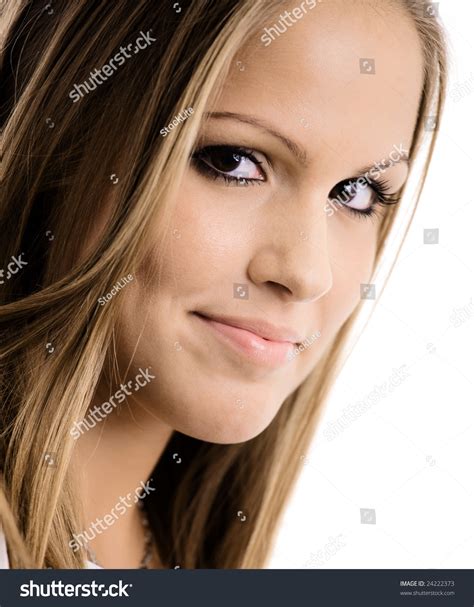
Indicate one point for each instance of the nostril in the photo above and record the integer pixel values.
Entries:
(279, 286)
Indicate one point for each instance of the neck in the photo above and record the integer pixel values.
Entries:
(115, 459)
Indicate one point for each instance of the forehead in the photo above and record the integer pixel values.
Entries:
(312, 81)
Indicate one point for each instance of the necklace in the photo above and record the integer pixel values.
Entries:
(148, 549)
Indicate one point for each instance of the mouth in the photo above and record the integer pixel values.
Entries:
(254, 339)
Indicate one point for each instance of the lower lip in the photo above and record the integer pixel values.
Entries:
(261, 351)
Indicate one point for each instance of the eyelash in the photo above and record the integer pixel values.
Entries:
(208, 171)
(380, 188)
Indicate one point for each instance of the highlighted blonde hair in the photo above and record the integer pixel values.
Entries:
(53, 178)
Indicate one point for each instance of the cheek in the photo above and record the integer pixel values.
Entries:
(351, 249)
(209, 241)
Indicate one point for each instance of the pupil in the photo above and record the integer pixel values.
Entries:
(351, 188)
(226, 161)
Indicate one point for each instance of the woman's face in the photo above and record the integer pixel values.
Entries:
(265, 255)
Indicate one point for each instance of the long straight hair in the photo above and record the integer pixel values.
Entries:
(62, 160)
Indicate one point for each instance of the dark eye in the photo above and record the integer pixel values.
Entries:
(351, 193)
(232, 164)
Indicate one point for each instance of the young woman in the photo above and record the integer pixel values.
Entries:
(195, 198)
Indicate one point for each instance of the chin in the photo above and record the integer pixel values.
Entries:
(241, 424)
(233, 434)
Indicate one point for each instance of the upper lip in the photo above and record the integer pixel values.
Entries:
(260, 327)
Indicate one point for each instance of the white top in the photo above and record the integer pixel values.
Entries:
(4, 563)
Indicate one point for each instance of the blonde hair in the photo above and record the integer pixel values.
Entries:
(52, 180)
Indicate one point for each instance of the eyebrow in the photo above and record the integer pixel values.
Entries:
(291, 145)
(294, 148)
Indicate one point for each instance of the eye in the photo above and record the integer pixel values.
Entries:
(352, 194)
(362, 198)
(232, 164)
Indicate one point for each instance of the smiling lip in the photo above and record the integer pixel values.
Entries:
(262, 342)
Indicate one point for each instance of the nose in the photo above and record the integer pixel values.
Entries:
(292, 255)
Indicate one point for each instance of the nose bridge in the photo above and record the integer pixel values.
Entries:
(295, 253)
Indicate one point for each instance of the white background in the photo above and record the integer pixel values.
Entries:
(410, 457)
